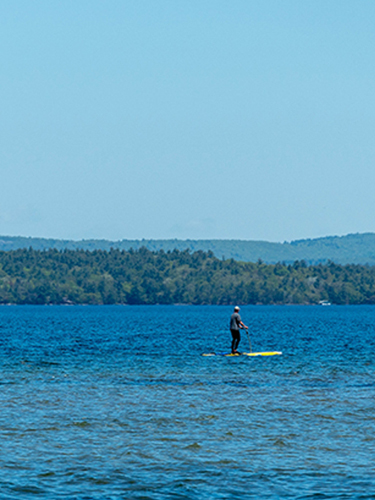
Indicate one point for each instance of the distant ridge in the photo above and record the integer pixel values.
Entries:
(349, 249)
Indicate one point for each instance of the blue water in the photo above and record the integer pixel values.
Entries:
(117, 403)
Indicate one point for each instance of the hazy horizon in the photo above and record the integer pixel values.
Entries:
(183, 239)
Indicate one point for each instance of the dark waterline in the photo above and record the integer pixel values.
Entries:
(117, 402)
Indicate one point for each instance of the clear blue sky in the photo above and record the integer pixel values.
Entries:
(187, 118)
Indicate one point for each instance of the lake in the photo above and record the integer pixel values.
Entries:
(117, 402)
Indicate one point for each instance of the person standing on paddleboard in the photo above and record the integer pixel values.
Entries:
(235, 326)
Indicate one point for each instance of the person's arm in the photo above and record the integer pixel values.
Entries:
(244, 327)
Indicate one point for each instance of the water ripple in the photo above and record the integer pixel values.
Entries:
(117, 402)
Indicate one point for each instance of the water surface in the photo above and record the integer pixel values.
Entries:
(117, 403)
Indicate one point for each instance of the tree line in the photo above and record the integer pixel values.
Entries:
(29, 276)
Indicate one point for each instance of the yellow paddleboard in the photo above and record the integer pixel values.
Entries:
(270, 353)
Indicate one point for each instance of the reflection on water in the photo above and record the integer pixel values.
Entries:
(117, 402)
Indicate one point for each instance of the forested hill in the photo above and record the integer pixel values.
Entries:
(350, 249)
(145, 277)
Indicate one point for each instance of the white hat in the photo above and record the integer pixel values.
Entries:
(236, 308)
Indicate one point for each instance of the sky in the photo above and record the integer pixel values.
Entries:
(189, 119)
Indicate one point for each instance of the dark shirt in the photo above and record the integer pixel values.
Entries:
(235, 321)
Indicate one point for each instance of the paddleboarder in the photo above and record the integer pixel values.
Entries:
(235, 326)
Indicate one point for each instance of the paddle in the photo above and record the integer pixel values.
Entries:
(248, 336)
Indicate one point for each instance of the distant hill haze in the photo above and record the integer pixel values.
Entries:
(349, 249)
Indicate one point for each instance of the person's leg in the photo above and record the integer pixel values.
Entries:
(235, 339)
(233, 332)
(238, 338)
